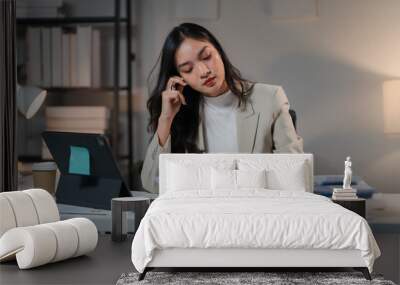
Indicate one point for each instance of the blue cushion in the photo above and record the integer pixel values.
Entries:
(365, 193)
(334, 180)
(324, 184)
(336, 183)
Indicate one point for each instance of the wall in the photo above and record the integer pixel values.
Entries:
(331, 67)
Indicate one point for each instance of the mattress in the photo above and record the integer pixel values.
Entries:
(252, 219)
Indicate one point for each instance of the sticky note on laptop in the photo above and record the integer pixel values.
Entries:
(79, 160)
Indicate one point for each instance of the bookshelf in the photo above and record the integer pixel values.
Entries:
(67, 21)
(84, 89)
(116, 21)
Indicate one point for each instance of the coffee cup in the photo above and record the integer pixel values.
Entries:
(44, 176)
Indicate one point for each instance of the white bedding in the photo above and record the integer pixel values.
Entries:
(251, 218)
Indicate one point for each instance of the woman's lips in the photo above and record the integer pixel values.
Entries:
(209, 82)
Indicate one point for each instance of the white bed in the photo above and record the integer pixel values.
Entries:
(282, 224)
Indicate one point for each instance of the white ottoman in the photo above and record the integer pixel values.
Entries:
(31, 232)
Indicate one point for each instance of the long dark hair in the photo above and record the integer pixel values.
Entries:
(185, 124)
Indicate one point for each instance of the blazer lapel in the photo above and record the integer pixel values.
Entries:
(247, 123)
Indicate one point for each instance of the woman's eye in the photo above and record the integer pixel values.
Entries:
(187, 71)
(207, 57)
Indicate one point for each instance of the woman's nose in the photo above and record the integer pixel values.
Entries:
(204, 70)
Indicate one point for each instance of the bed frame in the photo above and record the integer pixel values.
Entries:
(242, 259)
(246, 259)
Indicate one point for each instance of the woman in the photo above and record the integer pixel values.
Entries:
(202, 104)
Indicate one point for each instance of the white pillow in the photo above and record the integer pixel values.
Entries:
(223, 179)
(292, 179)
(237, 179)
(182, 178)
(281, 174)
(251, 178)
(188, 174)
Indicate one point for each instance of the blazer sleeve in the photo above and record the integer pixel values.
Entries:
(149, 174)
(284, 135)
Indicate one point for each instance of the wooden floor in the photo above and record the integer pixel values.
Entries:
(102, 266)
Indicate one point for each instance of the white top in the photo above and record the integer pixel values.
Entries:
(220, 123)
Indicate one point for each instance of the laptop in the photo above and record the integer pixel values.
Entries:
(90, 176)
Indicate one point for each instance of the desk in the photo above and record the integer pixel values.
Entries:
(355, 205)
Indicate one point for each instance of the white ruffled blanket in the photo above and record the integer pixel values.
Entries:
(251, 218)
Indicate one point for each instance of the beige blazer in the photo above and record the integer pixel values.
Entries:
(265, 121)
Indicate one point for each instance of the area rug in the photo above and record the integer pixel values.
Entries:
(243, 278)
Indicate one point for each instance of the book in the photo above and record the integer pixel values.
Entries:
(73, 61)
(46, 57)
(34, 61)
(81, 112)
(345, 194)
(345, 198)
(96, 59)
(56, 56)
(66, 79)
(77, 123)
(84, 48)
(341, 190)
(77, 130)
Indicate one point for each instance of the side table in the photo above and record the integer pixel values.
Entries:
(119, 206)
(355, 205)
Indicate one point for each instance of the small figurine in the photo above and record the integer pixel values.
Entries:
(347, 174)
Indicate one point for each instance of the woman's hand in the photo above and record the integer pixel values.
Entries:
(172, 98)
